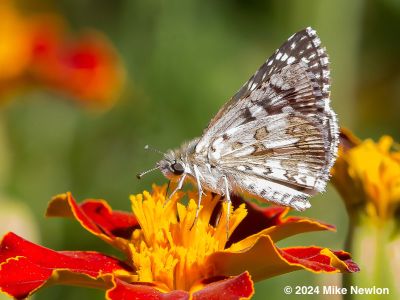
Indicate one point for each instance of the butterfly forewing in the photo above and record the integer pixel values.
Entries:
(277, 137)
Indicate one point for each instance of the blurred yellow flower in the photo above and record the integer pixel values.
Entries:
(367, 175)
(14, 43)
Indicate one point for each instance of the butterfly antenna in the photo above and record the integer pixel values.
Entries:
(140, 175)
(147, 147)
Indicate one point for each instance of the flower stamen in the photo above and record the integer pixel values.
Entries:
(172, 245)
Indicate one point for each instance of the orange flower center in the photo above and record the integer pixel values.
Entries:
(170, 248)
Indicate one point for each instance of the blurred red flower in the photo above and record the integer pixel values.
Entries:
(38, 50)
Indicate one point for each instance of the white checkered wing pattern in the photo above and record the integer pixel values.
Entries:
(276, 139)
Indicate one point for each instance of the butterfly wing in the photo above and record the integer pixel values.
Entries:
(278, 158)
(277, 137)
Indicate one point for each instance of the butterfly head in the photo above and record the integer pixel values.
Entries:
(171, 166)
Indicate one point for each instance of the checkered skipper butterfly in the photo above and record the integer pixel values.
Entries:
(275, 140)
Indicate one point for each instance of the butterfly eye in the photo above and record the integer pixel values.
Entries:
(177, 168)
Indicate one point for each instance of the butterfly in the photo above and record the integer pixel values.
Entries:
(275, 139)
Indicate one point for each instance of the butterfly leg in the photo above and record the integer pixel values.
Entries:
(178, 187)
(167, 189)
(228, 203)
(200, 193)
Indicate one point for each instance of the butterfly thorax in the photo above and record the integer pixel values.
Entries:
(184, 161)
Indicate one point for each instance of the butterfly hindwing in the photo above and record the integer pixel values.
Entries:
(284, 150)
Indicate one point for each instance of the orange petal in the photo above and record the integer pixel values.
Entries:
(288, 227)
(270, 220)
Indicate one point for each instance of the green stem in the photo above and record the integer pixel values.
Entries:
(376, 249)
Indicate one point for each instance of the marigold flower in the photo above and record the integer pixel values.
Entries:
(168, 255)
(367, 176)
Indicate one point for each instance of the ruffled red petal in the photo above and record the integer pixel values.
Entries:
(319, 259)
(25, 266)
(234, 288)
(19, 277)
(113, 223)
(126, 291)
(346, 258)
(94, 215)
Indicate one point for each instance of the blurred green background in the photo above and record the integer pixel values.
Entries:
(183, 60)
